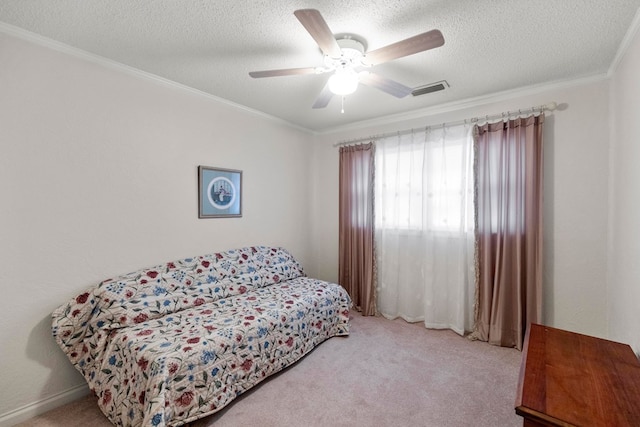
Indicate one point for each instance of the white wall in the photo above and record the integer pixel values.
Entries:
(98, 176)
(576, 194)
(624, 256)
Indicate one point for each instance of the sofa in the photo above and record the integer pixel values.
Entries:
(176, 342)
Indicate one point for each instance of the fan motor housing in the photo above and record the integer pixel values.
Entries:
(352, 53)
(351, 43)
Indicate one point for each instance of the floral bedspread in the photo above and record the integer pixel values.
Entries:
(176, 342)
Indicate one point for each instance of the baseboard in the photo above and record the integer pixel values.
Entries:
(40, 407)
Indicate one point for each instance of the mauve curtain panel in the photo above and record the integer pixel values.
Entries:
(509, 173)
(356, 250)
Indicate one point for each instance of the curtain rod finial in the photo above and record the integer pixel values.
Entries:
(551, 106)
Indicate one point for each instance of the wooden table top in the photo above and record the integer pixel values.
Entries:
(570, 379)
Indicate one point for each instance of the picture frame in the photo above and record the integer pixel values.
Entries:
(219, 192)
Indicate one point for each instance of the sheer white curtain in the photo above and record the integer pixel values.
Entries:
(425, 227)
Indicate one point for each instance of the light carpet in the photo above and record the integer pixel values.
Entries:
(386, 373)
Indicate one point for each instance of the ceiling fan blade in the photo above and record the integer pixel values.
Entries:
(284, 72)
(421, 42)
(319, 30)
(324, 97)
(389, 86)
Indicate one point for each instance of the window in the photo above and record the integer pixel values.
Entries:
(424, 185)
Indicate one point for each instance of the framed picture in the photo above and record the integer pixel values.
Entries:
(219, 192)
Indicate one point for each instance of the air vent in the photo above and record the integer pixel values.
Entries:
(430, 88)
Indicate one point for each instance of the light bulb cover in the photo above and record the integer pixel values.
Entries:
(344, 81)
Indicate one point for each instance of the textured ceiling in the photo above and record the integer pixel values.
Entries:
(490, 46)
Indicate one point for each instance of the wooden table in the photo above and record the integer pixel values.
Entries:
(569, 379)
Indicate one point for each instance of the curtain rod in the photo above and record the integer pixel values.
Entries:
(546, 107)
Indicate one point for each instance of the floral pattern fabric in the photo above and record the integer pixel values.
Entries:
(176, 342)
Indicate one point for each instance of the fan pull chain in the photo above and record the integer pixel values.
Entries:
(342, 111)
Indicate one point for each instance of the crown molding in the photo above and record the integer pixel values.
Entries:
(40, 40)
(468, 103)
(626, 42)
(384, 120)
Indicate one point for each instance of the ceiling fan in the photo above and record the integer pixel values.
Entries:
(347, 59)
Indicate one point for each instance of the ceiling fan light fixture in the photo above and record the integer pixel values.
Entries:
(344, 81)
(344, 54)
